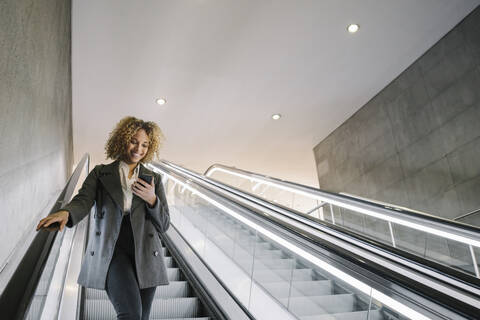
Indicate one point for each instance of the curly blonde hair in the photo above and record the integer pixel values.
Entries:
(126, 128)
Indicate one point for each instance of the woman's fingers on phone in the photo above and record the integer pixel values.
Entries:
(141, 182)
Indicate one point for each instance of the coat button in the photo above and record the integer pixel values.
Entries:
(155, 253)
(150, 235)
(92, 253)
(98, 233)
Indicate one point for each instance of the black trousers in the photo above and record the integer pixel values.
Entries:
(130, 302)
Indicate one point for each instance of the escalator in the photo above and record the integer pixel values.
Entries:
(231, 255)
(192, 293)
(44, 283)
(312, 273)
(184, 298)
(307, 292)
(446, 243)
(177, 300)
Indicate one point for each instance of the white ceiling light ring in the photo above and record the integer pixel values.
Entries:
(161, 101)
(353, 28)
(276, 116)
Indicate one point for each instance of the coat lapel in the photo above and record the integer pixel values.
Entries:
(110, 179)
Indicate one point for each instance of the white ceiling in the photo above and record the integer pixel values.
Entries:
(226, 66)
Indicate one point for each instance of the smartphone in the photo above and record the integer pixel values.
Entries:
(146, 177)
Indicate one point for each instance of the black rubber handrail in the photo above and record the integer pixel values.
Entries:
(466, 215)
(21, 287)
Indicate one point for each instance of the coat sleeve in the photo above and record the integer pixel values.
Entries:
(82, 203)
(159, 214)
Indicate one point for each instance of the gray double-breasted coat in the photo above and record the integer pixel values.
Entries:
(102, 187)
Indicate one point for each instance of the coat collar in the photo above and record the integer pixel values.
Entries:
(110, 179)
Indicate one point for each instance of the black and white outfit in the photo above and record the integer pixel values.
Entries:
(124, 254)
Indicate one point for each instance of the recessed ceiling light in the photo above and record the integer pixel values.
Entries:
(161, 101)
(276, 116)
(353, 28)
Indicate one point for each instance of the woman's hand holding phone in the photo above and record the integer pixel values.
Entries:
(145, 190)
(55, 221)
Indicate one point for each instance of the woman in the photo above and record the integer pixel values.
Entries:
(123, 254)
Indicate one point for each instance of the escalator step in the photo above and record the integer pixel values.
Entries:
(173, 289)
(168, 262)
(173, 274)
(201, 318)
(262, 253)
(283, 274)
(308, 295)
(161, 309)
(317, 305)
(299, 288)
(264, 264)
(356, 315)
(176, 308)
(164, 251)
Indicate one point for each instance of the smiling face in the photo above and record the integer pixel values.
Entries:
(137, 147)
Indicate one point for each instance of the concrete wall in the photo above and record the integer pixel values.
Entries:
(35, 107)
(417, 142)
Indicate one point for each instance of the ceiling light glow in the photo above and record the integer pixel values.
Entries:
(161, 101)
(276, 116)
(353, 28)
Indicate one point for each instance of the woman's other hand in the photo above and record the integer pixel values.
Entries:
(145, 191)
(60, 216)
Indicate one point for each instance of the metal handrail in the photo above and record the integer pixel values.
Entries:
(21, 287)
(386, 204)
(467, 214)
(311, 191)
(394, 212)
(396, 207)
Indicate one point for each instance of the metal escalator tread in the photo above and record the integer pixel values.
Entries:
(174, 301)
(201, 318)
(307, 293)
(282, 290)
(356, 315)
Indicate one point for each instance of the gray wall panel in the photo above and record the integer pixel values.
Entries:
(417, 142)
(35, 102)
